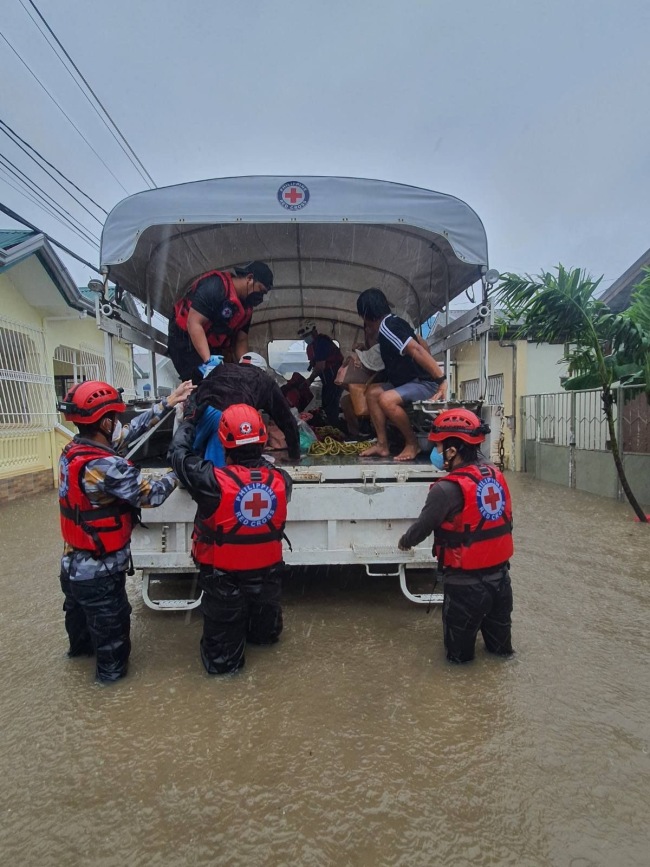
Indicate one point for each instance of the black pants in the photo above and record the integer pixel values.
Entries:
(98, 622)
(331, 397)
(482, 605)
(238, 607)
(184, 356)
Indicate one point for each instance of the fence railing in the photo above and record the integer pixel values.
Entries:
(576, 418)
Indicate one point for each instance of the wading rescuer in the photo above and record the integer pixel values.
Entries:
(100, 493)
(470, 513)
(212, 319)
(238, 532)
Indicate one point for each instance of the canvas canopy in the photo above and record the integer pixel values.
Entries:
(325, 238)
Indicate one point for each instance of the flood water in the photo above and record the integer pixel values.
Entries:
(352, 741)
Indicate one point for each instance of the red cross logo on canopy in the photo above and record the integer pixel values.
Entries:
(293, 195)
(491, 499)
(255, 505)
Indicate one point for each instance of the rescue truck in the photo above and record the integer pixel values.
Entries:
(326, 240)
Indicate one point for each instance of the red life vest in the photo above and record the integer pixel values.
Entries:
(333, 360)
(98, 529)
(217, 333)
(252, 512)
(480, 536)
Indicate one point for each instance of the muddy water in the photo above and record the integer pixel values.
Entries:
(352, 741)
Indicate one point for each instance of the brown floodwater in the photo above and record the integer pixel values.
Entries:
(352, 741)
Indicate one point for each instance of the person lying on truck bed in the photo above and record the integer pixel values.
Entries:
(213, 317)
(410, 373)
(249, 383)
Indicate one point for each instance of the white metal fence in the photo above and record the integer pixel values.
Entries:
(27, 401)
(576, 418)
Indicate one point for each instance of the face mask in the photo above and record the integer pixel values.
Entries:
(308, 338)
(254, 299)
(437, 459)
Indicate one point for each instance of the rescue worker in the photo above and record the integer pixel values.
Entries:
(325, 358)
(100, 494)
(238, 531)
(213, 317)
(249, 383)
(470, 512)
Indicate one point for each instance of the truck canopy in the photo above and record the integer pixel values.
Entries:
(325, 238)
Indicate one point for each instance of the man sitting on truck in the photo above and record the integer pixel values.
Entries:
(214, 316)
(238, 532)
(410, 373)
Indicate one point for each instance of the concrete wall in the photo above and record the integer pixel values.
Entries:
(526, 369)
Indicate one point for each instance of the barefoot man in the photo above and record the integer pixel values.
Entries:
(410, 370)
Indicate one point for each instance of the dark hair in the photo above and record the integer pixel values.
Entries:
(373, 304)
(247, 454)
(469, 452)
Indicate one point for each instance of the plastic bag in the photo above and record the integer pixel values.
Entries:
(306, 434)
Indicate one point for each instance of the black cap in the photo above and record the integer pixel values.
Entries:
(260, 271)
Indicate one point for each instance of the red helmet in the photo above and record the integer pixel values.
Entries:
(241, 425)
(459, 423)
(87, 402)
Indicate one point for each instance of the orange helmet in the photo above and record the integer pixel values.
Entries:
(241, 425)
(459, 423)
(89, 401)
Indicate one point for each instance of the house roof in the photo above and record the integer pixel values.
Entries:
(11, 237)
(16, 245)
(619, 295)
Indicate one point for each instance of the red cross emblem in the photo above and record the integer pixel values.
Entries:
(491, 499)
(293, 195)
(256, 504)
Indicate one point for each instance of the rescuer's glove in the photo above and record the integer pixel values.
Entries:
(210, 364)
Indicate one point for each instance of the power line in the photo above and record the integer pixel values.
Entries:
(56, 181)
(41, 193)
(19, 219)
(124, 144)
(47, 162)
(67, 116)
(27, 193)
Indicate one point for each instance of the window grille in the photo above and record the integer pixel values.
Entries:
(27, 398)
(469, 390)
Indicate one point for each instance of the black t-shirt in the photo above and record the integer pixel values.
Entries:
(394, 336)
(210, 300)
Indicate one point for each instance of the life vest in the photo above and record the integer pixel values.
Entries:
(234, 316)
(480, 536)
(252, 513)
(333, 360)
(97, 529)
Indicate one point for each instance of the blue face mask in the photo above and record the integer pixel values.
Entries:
(437, 459)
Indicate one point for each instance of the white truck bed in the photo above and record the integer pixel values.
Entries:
(343, 511)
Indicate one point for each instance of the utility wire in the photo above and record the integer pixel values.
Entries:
(124, 144)
(39, 191)
(47, 162)
(67, 116)
(19, 219)
(27, 193)
(56, 181)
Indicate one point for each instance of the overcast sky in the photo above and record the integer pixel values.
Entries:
(535, 112)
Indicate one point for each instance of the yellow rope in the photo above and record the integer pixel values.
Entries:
(330, 446)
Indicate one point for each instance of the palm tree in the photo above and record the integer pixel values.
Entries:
(602, 347)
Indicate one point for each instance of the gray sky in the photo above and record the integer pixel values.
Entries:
(534, 113)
